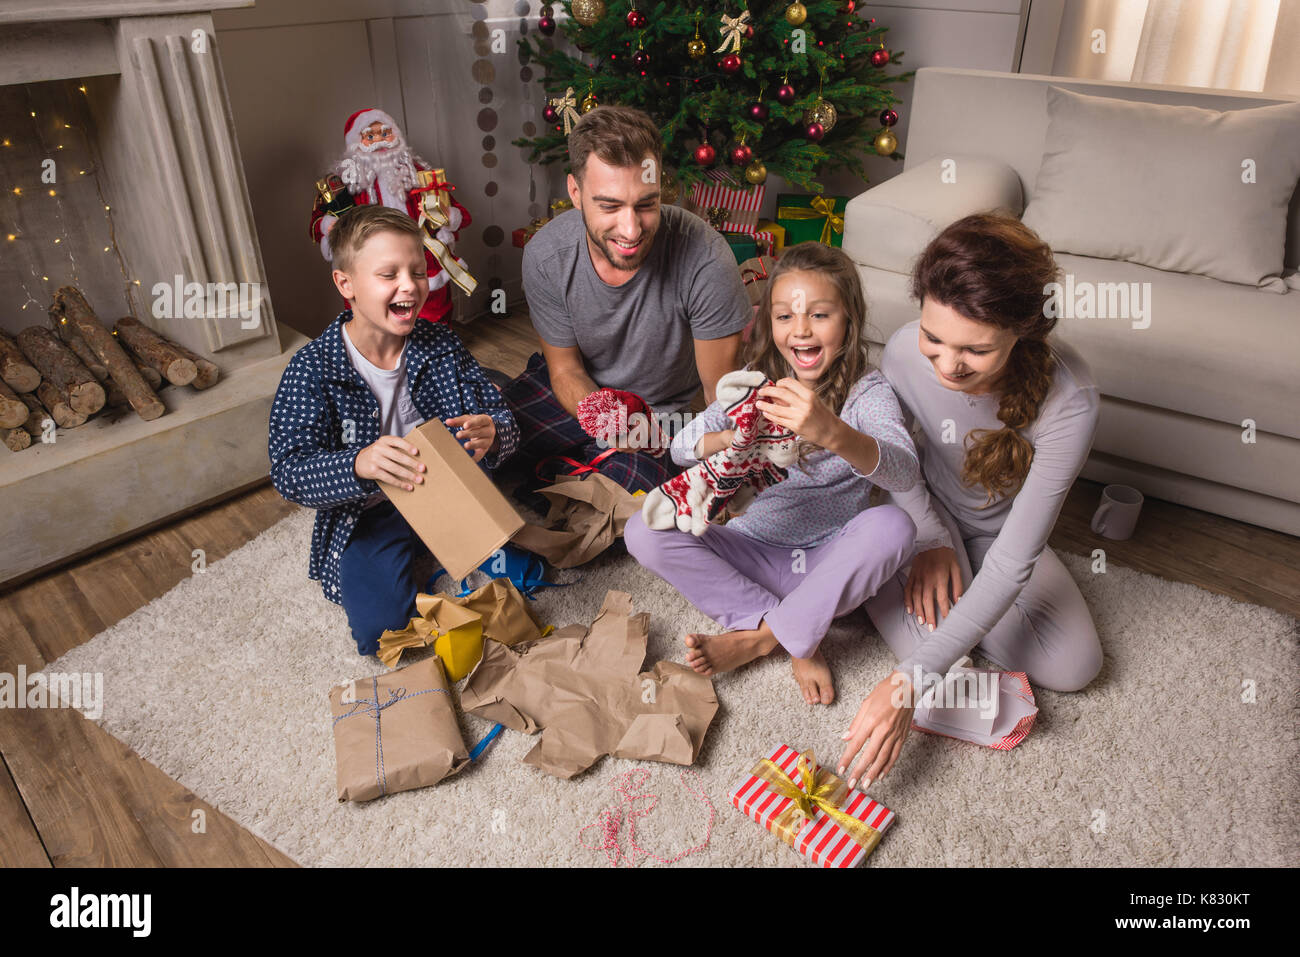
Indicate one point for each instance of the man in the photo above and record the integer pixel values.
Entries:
(625, 295)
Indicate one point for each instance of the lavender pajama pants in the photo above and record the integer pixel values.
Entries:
(739, 581)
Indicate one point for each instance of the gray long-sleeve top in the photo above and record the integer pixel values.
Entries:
(1061, 436)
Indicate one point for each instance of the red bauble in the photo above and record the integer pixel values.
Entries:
(849, 6)
(758, 112)
(785, 94)
(888, 117)
(640, 59)
(741, 155)
(705, 155)
(814, 132)
(749, 31)
(550, 114)
(546, 25)
(636, 19)
(730, 63)
(879, 57)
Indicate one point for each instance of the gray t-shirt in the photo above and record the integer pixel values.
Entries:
(637, 336)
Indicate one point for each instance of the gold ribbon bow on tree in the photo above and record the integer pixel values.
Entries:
(567, 105)
(732, 28)
(821, 206)
(821, 791)
(435, 204)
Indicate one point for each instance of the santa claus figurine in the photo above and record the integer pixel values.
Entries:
(379, 167)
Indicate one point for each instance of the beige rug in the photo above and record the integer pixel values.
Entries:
(222, 684)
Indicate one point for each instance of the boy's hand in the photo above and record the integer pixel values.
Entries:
(392, 460)
(478, 433)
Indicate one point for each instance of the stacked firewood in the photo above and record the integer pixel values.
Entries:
(61, 376)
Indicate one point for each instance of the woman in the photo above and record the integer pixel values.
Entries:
(1008, 418)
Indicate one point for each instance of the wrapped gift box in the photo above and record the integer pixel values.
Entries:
(822, 839)
(737, 206)
(743, 246)
(811, 218)
(772, 234)
(520, 237)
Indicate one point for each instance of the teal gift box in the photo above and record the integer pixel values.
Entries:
(743, 246)
(808, 217)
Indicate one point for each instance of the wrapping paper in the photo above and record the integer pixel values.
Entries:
(811, 218)
(821, 839)
(739, 205)
(587, 514)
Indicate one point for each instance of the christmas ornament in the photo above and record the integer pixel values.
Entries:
(549, 114)
(730, 63)
(696, 48)
(705, 154)
(640, 59)
(567, 106)
(589, 102)
(587, 12)
(733, 28)
(888, 117)
(849, 6)
(879, 57)
(741, 155)
(636, 19)
(885, 142)
(546, 22)
(814, 132)
(755, 172)
(749, 32)
(669, 189)
(758, 111)
(796, 14)
(785, 94)
(822, 112)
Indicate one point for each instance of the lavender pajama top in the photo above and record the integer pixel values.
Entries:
(825, 492)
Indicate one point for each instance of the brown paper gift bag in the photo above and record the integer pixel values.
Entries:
(397, 732)
(587, 514)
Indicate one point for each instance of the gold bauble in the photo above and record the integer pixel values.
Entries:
(823, 112)
(696, 48)
(885, 142)
(589, 103)
(587, 12)
(755, 172)
(796, 14)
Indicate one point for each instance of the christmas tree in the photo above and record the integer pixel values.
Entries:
(790, 88)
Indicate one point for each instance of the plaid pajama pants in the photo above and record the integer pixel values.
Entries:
(547, 430)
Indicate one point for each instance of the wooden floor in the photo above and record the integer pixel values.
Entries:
(72, 795)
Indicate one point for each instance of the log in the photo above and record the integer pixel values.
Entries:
(149, 372)
(13, 411)
(19, 374)
(121, 369)
(38, 416)
(64, 416)
(73, 341)
(62, 369)
(156, 351)
(208, 373)
(17, 438)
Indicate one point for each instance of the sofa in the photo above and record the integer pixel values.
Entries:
(1218, 363)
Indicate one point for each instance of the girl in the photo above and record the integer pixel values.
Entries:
(808, 548)
(978, 365)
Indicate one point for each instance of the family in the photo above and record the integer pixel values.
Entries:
(645, 302)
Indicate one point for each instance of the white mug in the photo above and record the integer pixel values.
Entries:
(1118, 512)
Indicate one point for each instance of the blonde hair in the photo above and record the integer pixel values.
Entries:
(619, 135)
(358, 224)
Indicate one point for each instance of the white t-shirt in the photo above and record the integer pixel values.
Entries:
(397, 413)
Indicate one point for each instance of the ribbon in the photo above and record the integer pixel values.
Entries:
(750, 274)
(821, 791)
(578, 467)
(821, 206)
(372, 706)
(732, 28)
(432, 218)
(567, 105)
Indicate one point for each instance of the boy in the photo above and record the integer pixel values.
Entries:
(344, 402)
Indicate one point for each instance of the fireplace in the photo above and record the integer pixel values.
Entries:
(120, 174)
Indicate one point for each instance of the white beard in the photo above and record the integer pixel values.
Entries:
(392, 168)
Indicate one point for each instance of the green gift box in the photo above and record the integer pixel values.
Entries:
(808, 217)
(743, 246)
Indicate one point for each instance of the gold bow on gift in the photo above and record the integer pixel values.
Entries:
(821, 206)
(821, 791)
(435, 204)
(567, 105)
(732, 28)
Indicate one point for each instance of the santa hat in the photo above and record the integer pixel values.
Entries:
(360, 120)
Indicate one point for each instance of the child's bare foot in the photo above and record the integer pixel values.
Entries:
(814, 678)
(714, 654)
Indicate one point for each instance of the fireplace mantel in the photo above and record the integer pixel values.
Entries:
(36, 11)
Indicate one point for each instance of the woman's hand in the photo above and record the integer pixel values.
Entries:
(390, 460)
(934, 572)
(878, 731)
(478, 433)
(797, 407)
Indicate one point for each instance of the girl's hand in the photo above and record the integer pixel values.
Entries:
(390, 460)
(712, 442)
(478, 433)
(878, 731)
(934, 572)
(795, 406)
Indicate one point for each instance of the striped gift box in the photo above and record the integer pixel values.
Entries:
(821, 840)
(740, 204)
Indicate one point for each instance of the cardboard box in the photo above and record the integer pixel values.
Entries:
(457, 511)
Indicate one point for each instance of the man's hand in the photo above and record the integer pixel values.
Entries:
(878, 731)
(933, 573)
(390, 460)
(478, 433)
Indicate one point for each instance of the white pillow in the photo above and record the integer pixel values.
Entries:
(1174, 187)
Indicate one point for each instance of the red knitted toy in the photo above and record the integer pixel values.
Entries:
(616, 418)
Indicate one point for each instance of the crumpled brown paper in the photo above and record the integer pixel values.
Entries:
(584, 689)
(587, 514)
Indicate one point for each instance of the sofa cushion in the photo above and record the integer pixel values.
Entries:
(1166, 186)
(889, 225)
